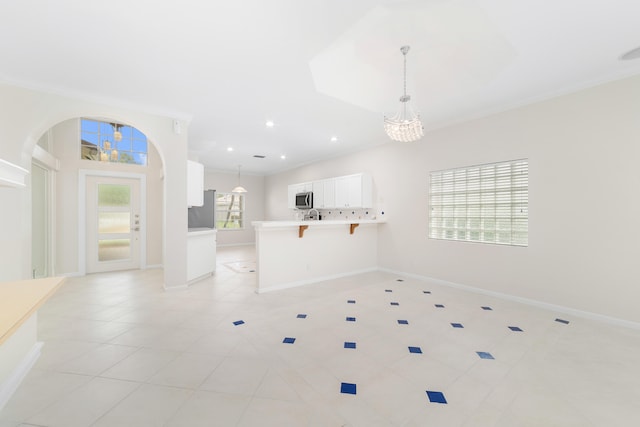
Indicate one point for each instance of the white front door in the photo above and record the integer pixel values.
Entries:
(113, 223)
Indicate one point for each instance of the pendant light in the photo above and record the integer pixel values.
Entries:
(405, 126)
(239, 188)
(117, 135)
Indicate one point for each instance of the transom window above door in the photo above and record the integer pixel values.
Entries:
(112, 142)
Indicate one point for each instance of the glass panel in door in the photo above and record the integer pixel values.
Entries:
(113, 223)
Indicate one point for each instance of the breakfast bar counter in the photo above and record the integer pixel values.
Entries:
(295, 253)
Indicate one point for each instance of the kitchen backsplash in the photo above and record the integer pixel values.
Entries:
(341, 214)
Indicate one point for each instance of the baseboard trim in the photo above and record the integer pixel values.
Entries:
(314, 280)
(535, 303)
(14, 380)
(229, 245)
(175, 288)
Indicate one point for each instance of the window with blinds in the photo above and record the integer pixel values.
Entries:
(486, 203)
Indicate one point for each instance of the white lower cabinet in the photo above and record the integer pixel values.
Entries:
(201, 254)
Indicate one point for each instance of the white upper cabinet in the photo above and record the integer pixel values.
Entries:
(329, 193)
(195, 183)
(354, 191)
(324, 194)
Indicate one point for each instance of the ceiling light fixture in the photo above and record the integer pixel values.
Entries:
(405, 126)
(239, 188)
(229, 148)
(283, 157)
(334, 138)
(269, 124)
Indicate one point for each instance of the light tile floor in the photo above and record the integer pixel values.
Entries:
(119, 351)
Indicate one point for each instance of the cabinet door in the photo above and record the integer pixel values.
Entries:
(342, 192)
(354, 189)
(201, 255)
(195, 183)
(291, 196)
(329, 193)
(318, 194)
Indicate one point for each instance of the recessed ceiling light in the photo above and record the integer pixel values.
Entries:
(334, 138)
(229, 148)
(283, 157)
(270, 124)
(632, 54)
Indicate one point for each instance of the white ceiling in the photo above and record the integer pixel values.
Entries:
(317, 68)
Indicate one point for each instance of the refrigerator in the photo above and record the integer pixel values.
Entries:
(204, 216)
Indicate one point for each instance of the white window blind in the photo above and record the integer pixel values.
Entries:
(486, 203)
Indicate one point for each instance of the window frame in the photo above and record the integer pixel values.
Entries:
(219, 213)
(100, 152)
(471, 204)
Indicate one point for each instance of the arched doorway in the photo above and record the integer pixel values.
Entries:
(88, 233)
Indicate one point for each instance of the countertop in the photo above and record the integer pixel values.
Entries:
(20, 299)
(201, 230)
(313, 223)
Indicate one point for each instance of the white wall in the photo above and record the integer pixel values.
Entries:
(26, 114)
(254, 203)
(584, 192)
(66, 148)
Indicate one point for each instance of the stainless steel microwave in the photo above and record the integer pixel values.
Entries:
(304, 200)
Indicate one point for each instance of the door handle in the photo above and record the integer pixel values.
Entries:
(135, 229)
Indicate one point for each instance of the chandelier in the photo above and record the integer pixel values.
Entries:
(405, 126)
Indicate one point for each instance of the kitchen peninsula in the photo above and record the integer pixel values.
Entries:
(295, 253)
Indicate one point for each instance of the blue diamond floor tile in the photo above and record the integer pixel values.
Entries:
(566, 322)
(395, 303)
(457, 325)
(485, 355)
(238, 322)
(403, 322)
(301, 316)
(289, 340)
(351, 301)
(415, 350)
(487, 308)
(439, 305)
(347, 388)
(436, 397)
(351, 319)
(515, 329)
(349, 344)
